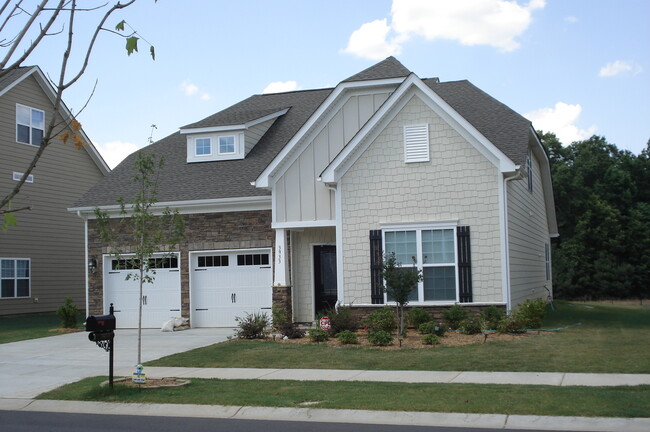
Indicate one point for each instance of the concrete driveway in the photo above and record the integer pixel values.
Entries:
(31, 367)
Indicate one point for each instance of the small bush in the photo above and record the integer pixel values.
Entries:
(347, 337)
(68, 313)
(283, 324)
(342, 319)
(381, 319)
(454, 316)
(430, 339)
(512, 324)
(471, 326)
(492, 317)
(432, 327)
(318, 335)
(417, 316)
(380, 338)
(252, 326)
(532, 313)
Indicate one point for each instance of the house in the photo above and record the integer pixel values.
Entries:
(294, 197)
(42, 258)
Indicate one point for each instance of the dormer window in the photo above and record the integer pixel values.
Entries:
(203, 147)
(227, 144)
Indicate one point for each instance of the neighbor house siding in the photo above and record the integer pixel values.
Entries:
(297, 193)
(457, 184)
(47, 234)
(527, 235)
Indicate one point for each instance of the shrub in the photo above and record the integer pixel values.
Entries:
(347, 337)
(381, 319)
(380, 338)
(68, 313)
(417, 316)
(492, 317)
(283, 324)
(432, 327)
(342, 319)
(430, 339)
(512, 324)
(454, 316)
(531, 312)
(318, 335)
(471, 326)
(252, 326)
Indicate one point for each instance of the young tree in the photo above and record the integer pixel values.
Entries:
(148, 233)
(400, 283)
(23, 28)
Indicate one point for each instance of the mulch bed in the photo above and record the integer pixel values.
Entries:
(66, 330)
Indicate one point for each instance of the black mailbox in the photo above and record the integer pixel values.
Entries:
(100, 323)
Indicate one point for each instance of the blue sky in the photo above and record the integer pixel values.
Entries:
(576, 68)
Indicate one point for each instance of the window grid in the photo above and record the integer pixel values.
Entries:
(214, 261)
(252, 259)
(14, 278)
(203, 146)
(154, 263)
(227, 144)
(30, 124)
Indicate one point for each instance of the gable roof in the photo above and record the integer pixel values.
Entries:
(389, 68)
(12, 78)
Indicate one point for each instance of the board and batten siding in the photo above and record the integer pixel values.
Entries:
(458, 183)
(298, 195)
(48, 235)
(527, 234)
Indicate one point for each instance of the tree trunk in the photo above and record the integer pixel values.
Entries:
(140, 320)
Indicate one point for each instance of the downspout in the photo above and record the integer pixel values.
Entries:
(340, 288)
(86, 260)
(516, 176)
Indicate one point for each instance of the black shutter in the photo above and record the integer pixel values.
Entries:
(376, 261)
(464, 264)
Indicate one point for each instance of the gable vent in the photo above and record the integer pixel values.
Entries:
(416, 143)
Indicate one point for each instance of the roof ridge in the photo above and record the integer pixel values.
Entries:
(390, 67)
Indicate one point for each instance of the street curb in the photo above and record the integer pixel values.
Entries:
(402, 418)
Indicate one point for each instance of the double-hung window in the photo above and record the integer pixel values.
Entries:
(203, 147)
(14, 277)
(30, 124)
(432, 250)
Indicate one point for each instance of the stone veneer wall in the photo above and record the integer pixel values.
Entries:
(206, 231)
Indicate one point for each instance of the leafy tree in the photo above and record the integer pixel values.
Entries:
(28, 27)
(139, 233)
(400, 283)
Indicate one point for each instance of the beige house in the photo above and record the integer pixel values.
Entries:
(42, 259)
(296, 197)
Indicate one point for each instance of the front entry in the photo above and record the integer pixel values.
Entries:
(324, 278)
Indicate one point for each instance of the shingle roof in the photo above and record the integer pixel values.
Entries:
(236, 115)
(13, 76)
(389, 68)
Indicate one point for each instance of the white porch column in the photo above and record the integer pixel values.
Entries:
(281, 260)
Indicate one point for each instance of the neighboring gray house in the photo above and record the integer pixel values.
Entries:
(42, 259)
(303, 192)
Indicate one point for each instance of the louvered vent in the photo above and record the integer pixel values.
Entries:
(416, 143)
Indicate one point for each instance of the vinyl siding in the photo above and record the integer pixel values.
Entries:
(253, 135)
(50, 236)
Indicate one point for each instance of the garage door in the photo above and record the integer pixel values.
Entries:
(229, 284)
(161, 300)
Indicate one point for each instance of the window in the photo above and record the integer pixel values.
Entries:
(203, 147)
(547, 255)
(227, 144)
(433, 251)
(14, 277)
(252, 259)
(529, 168)
(213, 261)
(154, 263)
(30, 124)
(18, 175)
(416, 143)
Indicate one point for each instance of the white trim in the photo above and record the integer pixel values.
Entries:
(234, 145)
(505, 237)
(440, 224)
(280, 262)
(87, 256)
(15, 277)
(340, 277)
(196, 153)
(30, 126)
(225, 128)
(303, 224)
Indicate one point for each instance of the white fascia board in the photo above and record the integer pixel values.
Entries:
(18, 81)
(242, 126)
(547, 184)
(303, 224)
(220, 205)
(263, 180)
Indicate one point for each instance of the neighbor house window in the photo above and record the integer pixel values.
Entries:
(18, 175)
(203, 146)
(15, 277)
(431, 250)
(416, 143)
(30, 124)
(227, 144)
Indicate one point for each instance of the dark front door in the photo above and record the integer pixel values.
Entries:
(325, 278)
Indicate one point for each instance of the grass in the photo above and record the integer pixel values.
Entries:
(460, 398)
(610, 339)
(23, 327)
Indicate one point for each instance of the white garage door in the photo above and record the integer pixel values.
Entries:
(161, 300)
(229, 284)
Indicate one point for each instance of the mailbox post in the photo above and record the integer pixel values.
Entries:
(101, 328)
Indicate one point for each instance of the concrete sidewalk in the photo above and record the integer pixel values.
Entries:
(520, 378)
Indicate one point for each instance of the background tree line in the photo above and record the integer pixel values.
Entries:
(602, 199)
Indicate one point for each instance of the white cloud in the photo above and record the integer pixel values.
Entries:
(571, 19)
(370, 41)
(280, 87)
(188, 88)
(115, 151)
(618, 67)
(205, 96)
(496, 23)
(561, 121)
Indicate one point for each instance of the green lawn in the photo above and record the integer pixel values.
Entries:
(460, 398)
(23, 327)
(610, 339)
